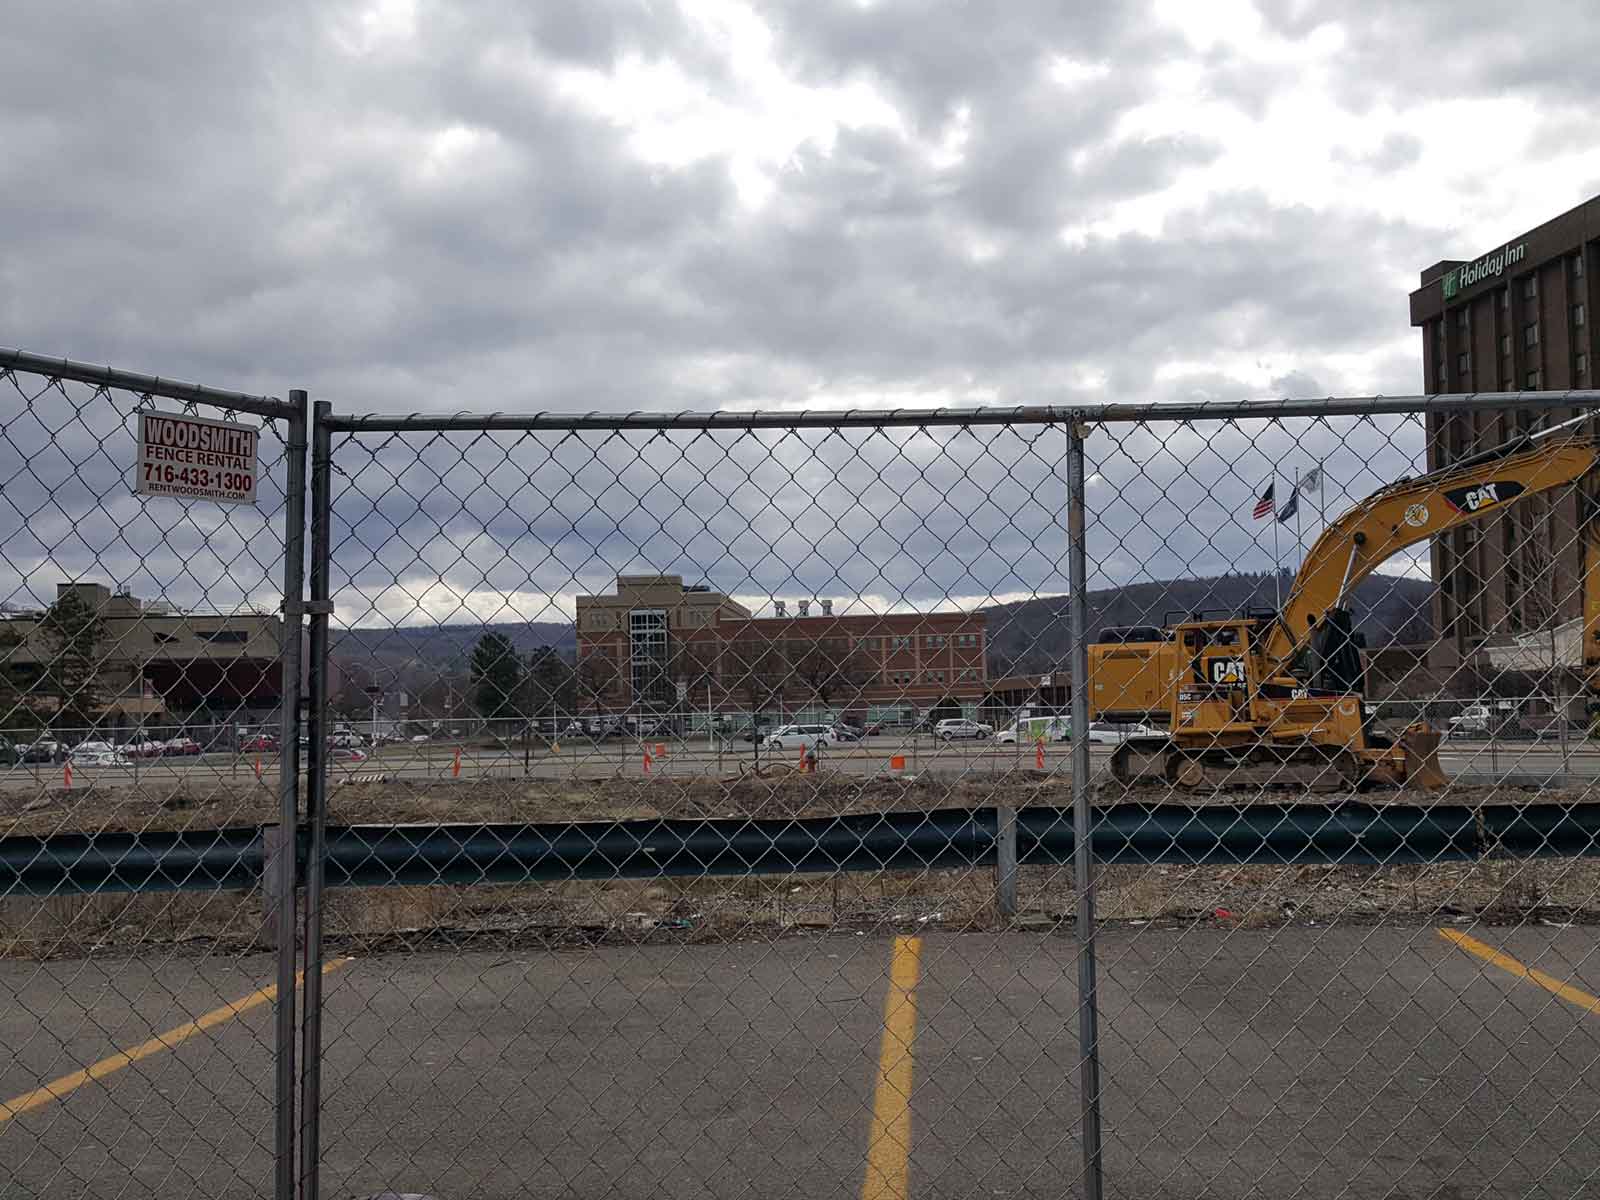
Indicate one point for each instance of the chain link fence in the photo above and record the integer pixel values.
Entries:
(147, 675)
(1124, 801)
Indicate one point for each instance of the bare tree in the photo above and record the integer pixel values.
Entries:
(829, 669)
(756, 669)
(598, 680)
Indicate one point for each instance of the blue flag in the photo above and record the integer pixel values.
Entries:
(1291, 507)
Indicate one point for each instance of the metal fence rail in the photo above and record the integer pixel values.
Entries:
(1069, 820)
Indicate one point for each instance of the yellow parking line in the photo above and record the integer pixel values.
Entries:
(1505, 962)
(58, 1088)
(889, 1144)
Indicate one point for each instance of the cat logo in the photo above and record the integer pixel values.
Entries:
(1417, 516)
(1226, 672)
(1483, 496)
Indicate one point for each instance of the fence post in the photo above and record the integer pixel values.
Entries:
(1005, 860)
(1083, 866)
(294, 547)
(320, 608)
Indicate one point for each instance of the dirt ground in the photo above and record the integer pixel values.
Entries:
(1550, 890)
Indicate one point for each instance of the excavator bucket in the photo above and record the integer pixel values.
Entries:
(1420, 743)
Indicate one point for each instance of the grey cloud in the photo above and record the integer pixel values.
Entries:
(232, 197)
(1404, 53)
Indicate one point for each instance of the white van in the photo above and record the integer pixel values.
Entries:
(1030, 729)
(792, 737)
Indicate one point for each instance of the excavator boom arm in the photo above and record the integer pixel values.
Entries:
(1403, 513)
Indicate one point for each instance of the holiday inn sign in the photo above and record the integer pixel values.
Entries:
(1490, 266)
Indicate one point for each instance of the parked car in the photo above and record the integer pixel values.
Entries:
(755, 733)
(950, 730)
(847, 733)
(41, 750)
(1106, 733)
(346, 741)
(792, 737)
(144, 748)
(347, 754)
(419, 738)
(259, 743)
(181, 747)
(106, 756)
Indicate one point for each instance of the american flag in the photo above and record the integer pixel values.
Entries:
(1265, 505)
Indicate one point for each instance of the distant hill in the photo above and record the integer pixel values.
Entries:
(1034, 635)
(1027, 636)
(414, 656)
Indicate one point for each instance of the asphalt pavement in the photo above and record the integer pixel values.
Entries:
(1291, 1062)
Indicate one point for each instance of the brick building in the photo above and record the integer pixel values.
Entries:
(636, 647)
(1518, 318)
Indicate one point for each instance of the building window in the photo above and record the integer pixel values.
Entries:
(867, 644)
(164, 639)
(647, 657)
(1581, 364)
(1505, 298)
(226, 635)
(935, 641)
(1463, 363)
(1505, 343)
(1577, 265)
(935, 676)
(967, 639)
(1532, 380)
(900, 643)
(1530, 334)
(1530, 287)
(1442, 374)
(1577, 314)
(1461, 319)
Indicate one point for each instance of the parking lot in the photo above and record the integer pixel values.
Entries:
(1403, 1061)
(584, 758)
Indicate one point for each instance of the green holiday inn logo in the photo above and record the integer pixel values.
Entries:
(1489, 266)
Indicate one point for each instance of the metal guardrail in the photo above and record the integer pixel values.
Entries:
(207, 860)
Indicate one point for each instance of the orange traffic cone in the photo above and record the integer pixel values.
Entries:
(66, 772)
(661, 750)
(647, 760)
(455, 767)
(1038, 754)
(804, 766)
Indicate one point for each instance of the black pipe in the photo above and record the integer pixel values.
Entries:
(1126, 834)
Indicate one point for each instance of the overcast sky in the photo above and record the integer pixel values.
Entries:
(643, 204)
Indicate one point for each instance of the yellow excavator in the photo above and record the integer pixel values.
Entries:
(1283, 690)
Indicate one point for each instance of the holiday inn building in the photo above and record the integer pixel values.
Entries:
(1518, 317)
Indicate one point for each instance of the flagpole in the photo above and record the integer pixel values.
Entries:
(1299, 540)
(1322, 491)
(1277, 573)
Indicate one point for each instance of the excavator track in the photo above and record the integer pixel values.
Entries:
(1160, 762)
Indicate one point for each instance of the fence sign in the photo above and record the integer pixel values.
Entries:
(196, 458)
